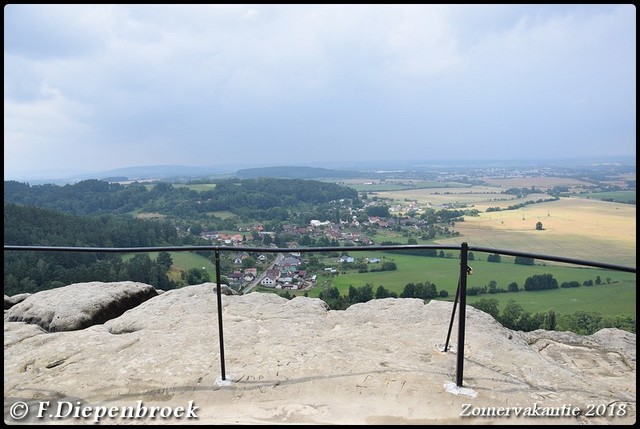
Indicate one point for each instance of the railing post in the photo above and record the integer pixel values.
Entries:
(219, 294)
(462, 314)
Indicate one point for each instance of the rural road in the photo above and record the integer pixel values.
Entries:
(259, 278)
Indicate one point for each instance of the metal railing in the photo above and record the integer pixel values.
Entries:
(461, 291)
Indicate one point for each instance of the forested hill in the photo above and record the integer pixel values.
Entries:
(96, 196)
(297, 173)
(30, 272)
(33, 226)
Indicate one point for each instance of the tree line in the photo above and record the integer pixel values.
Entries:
(332, 297)
(513, 316)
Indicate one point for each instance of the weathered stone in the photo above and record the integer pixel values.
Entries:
(79, 305)
(297, 362)
(10, 301)
(226, 290)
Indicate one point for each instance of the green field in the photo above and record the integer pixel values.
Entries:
(187, 260)
(184, 261)
(615, 296)
(394, 236)
(608, 299)
(196, 187)
(223, 215)
(620, 196)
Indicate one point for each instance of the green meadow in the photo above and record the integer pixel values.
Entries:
(187, 260)
(184, 261)
(608, 299)
(616, 294)
(620, 196)
(199, 187)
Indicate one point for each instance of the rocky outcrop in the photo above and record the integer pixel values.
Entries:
(10, 301)
(295, 361)
(80, 305)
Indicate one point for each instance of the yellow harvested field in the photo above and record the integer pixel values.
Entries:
(575, 228)
(479, 197)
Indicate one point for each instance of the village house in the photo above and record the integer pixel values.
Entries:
(253, 271)
(268, 281)
(230, 239)
(271, 278)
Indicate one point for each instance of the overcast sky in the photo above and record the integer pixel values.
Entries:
(99, 87)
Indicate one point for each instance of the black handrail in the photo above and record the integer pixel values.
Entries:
(583, 262)
(461, 292)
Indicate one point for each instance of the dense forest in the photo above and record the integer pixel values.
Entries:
(34, 226)
(34, 271)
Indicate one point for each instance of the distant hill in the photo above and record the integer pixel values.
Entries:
(288, 172)
(180, 173)
(158, 172)
(171, 173)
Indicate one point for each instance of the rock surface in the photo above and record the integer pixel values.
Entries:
(10, 301)
(296, 362)
(79, 305)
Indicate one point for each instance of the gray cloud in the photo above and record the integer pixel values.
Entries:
(106, 86)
